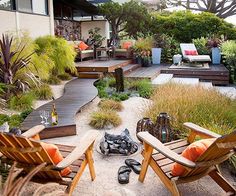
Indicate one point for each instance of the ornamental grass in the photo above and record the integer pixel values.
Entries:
(205, 107)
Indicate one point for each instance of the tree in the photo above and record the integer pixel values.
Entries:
(222, 8)
(130, 17)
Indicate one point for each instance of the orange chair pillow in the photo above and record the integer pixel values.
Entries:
(83, 46)
(127, 45)
(56, 156)
(192, 152)
(191, 52)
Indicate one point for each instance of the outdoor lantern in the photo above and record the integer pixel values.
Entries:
(162, 129)
(144, 124)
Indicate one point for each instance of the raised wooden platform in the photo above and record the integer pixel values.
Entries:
(101, 66)
(78, 93)
(217, 74)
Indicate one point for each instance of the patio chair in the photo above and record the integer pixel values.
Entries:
(190, 54)
(29, 153)
(125, 49)
(161, 158)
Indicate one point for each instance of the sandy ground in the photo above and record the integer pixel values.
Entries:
(106, 167)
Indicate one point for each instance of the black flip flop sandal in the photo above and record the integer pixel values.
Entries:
(123, 174)
(134, 165)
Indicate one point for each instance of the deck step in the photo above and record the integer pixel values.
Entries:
(90, 75)
(190, 81)
(162, 79)
(227, 91)
(130, 67)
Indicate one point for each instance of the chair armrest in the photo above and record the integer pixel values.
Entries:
(201, 131)
(33, 131)
(85, 142)
(157, 145)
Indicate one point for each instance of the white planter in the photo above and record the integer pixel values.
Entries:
(156, 56)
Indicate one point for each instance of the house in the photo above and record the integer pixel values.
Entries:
(70, 19)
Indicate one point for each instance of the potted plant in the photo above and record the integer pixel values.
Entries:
(214, 44)
(158, 44)
(146, 58)
(142, 51)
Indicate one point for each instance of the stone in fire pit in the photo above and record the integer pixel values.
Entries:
(121, 144)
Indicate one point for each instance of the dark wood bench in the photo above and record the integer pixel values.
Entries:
(78, 93)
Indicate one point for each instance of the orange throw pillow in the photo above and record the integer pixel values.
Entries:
(83, 46)
(191, 52)
(127, 45)
(192, 152)
(56, 156)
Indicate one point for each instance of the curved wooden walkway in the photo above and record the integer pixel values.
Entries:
(77, 93)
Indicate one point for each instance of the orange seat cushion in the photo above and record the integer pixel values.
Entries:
(192, 152)
(127, 45)
(83, 46)
(56, 156)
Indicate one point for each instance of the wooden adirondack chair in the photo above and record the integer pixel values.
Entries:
(161, 158)
(29, 153)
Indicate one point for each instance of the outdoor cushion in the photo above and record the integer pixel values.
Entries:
(190, 52)
(120, 50)
(198, 58)
(86, 51)
(56, 156)
(83, 46)
(192, 152)
(127, 44)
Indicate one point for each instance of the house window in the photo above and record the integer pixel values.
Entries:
(6, 4)
(33, 6)
(25, 5)
(40, 7)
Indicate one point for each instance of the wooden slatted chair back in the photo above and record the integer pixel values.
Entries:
(27, 153)
(222, 148)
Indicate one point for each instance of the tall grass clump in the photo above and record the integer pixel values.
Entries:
(110, 104)
(22, 102)
(104, 118)
(205, 107)
(44, 92)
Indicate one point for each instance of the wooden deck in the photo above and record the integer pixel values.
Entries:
(217, 74)
(101, 66)
(146, 72)
(78, 93)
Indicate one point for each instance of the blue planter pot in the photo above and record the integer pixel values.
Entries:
(156, 56)
(216, 56)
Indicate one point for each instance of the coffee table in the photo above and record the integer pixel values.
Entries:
(103, 53)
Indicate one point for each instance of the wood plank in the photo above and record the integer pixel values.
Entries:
(78, 93)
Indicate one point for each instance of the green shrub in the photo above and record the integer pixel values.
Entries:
(22, 102)
(54, 80)
(110, 104)
(104, 118)
(145, 88)
(111, 82)
(65, 76)
(15, 120)
(201, 45)
(44, 92)
(229, 50)
(59, 51)
(185, 25)
(194, 104)
(119, 96)
(4, 118)
(25, 113)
